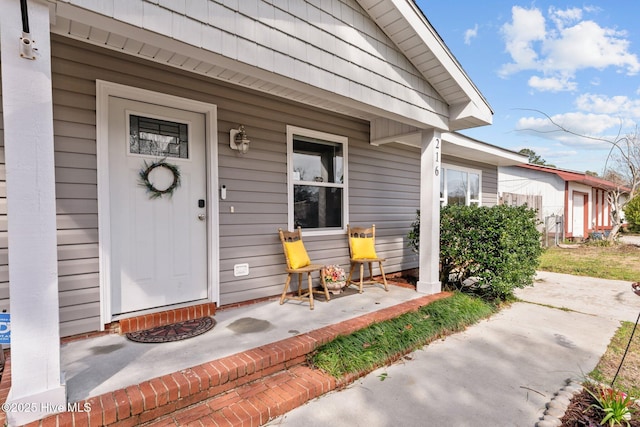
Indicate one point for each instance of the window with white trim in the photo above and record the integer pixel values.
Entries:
(460, 186)
(317, 180)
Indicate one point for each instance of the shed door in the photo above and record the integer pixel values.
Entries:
(158, 244)
(579, 207)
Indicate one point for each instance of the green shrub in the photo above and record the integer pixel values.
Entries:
(632, 214)
(489, 251)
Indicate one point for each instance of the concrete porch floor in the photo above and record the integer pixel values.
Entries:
(110, 362)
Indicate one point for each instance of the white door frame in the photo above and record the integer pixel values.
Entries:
(106, 89)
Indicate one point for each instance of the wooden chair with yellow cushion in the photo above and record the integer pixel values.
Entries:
(362, 250)
(298, 262)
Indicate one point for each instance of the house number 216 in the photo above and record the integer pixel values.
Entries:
(437, 154)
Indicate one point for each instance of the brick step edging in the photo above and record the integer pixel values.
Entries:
(163, 395)
(258, 403)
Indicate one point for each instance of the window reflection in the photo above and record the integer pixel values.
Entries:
(460, 187)
(456, 187)
(317, 207)
(155, 137)
(318, 175)
(317, 161)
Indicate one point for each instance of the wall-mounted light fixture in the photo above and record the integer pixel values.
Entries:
(238, 140)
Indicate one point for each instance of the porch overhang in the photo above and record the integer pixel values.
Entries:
(408, 27)
(401, 20)
(458, 145)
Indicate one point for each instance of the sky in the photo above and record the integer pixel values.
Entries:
(576, 63)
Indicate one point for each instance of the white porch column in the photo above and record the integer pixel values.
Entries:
(33, 270)
(430, 158)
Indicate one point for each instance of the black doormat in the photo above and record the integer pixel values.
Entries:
(174, 332)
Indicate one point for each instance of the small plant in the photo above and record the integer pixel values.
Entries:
(599, 239)
(616, 405)
(334, 274)
(334, 277)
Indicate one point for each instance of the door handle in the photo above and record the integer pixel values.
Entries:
(202, 217)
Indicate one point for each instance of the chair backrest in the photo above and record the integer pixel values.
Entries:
(293, 247)
(362, 242)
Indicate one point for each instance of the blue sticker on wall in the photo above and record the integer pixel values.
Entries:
(5, 328)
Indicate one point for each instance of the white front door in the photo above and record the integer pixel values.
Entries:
(158, 253)
(578, 215)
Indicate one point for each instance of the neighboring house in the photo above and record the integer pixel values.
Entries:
(350, 109)
(577, 202)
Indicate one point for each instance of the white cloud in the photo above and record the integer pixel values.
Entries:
(470, 34)
(586, 128)
(561, 45)
(552, 84)
(598, 120)
(619, 106)
(528, 26)
(587, 45)
(564, 17)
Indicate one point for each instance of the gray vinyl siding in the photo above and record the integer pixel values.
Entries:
(383, 181)
(4, 244)
(489, 177)
(74, 127)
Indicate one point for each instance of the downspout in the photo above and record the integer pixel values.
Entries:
(25, 18)
(26, 43)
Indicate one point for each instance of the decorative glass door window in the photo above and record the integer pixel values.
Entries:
(156, 137)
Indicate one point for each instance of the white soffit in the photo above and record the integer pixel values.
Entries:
(457, 145)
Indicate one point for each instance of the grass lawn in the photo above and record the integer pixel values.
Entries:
(628, 379)
(620, 262)
(383, 342)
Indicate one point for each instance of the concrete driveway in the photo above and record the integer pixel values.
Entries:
(612, 299)
(500, 372)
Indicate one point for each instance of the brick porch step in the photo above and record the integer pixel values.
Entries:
(247, 388)
(257, 403)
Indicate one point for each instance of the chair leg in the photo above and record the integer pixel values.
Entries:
(299, 285)
(350, 277)
(361, 275)
(384, 278)
(286, 288)
(310, 290)
(370, 271)
(324, 287)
